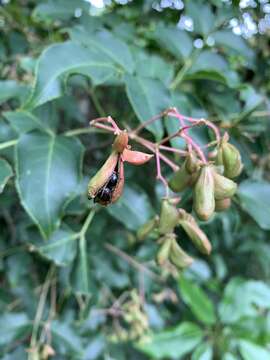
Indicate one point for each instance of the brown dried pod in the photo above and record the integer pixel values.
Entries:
(136, 157)
(121, 142)
(103, 175)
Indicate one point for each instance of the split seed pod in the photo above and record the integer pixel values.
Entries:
(169, 216)
(196, 235)
(223, 204)
(224, 187)
(204, 200)
(229, 156)
(180, 179)
(103, 175)
(178, 257)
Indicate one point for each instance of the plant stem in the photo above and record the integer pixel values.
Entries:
(184, 69)
(7, 144)
(40, 309)
(81, 131)
(96, 102)
(87, 222)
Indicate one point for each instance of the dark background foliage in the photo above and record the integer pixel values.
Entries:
(65, 62)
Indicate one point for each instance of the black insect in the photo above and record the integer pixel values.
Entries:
(104, 195)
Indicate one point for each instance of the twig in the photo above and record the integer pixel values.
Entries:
(132, 261)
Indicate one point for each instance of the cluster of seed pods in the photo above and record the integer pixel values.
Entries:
(209, 178)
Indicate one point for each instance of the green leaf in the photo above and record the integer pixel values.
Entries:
(60, 248)
(80, 279)
(203, 352)
(202, 16)
(236, 44)
(148, 98)
(251, 351)
(59, 61)
(212, 66)
(153, 66)
(197, 301)
(176, 41)
(48, 172)
(235, 306)
(23, 121)
(255, 200)
(133, 209)
(11, 89)
(58, 10)
(13, 326)
(66, 340)
(107, 45)
(174, 343)
(5, 173)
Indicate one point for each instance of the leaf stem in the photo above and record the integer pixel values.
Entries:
(96, 102)
(87, 222)
(184, 69)
(9, 143)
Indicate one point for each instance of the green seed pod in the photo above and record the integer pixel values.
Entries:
(224, 187)
(178, 256)
(192, 163)
(229, 156)
(204, 201)
(147, 228)
(169, 217)
(180, 179)
(224, 204)
(164, 251)
(196, 235)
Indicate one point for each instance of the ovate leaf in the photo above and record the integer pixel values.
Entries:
(66, 340)
(198, 302)
(133, 209)
(174, 343)
(255, 200)
(61, 247)
(5, 173)
(23, 121)
(59, 61)
(148, 98)
(48, 172)
(107, 45)
(251, 351)
(13, 326)
(202, 16)
(176, 41)
(11, 89)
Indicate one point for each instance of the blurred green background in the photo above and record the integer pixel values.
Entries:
(69, 291)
